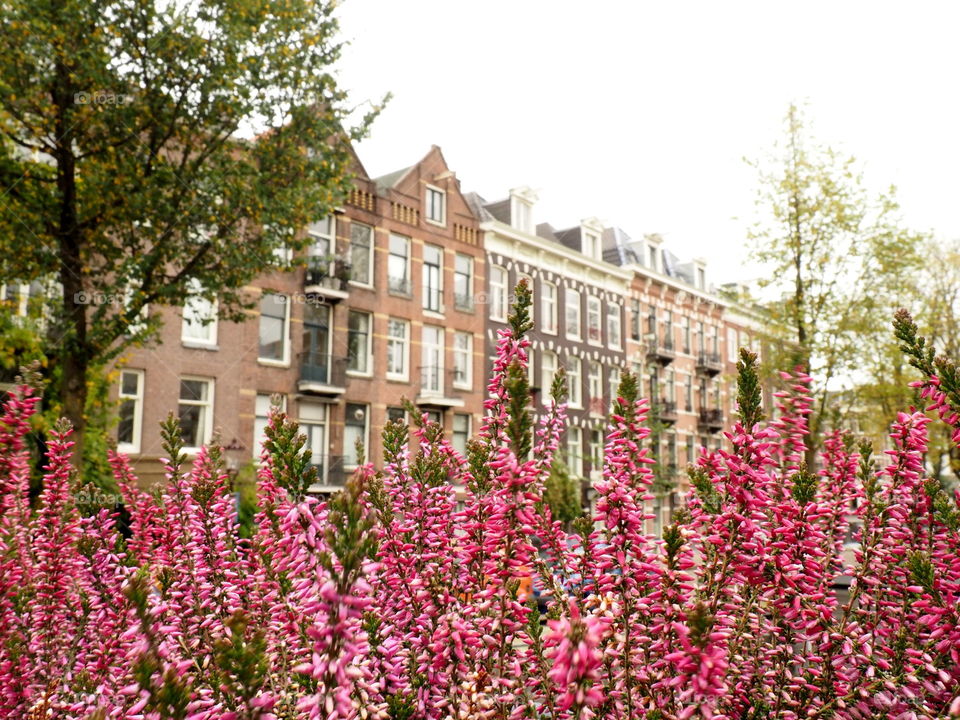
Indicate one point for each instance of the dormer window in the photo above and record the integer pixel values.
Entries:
(436, 205)
(521, 209)
(701, 278)
(652, 257)
(591, 245)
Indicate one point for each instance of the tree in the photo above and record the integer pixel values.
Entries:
(562, 493)
(835, 257)
(155, 151)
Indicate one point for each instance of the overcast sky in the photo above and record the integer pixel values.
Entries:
(641, 113)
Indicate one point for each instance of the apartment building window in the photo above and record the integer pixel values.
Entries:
(715, 340)
(498, 293)
(575, 451)
(262, 418)
(548, 370)
(701, 339)
(686, 335)
(531, 368)
(195, 411)
(398, 265)
(315, 351)
(131, 411)
(688, 394)
(463, 360)
(613, 325)
(431, 346)
(460, 434)
(522, 215)
(572, 304)
(323, 244)
(614, 384)
(701, 278)
(671, 391)
(313, 425)
(432, 278)
(199, 317)
(596, 450)
(548, 307)
(591, 246)
(463, 282)
(274, 316)
(672, 449)
(359, 339)
(595, 384)
(731, 345)
(436, 205)
(593, 320)
(398, 349)
(574, 381)
(396, 414)
(652, 322)
(691, 450)
(356, 424)
(635, 320)
(361, 254)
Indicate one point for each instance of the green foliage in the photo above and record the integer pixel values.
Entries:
(705, 491)
(293, 470)
(562, 493)
(749, 391)
(838, 260)
(519, 427)
(804, 488)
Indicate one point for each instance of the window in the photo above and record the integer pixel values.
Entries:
(548, 369)
(358, 342)
(463, 360)
(575, 451)
(398, 349)
(572, 298)
(355, 425)
(431, 346)
(595, 383)
(138, 323)
(548, 307)
(131, 411)
(688, 394)
(199, 317)
(574, 388)
(731, 345)
(522, 215)
(691, 450)
(701, 338)
(196, 412)
(396, 414)
(498, 293)
(671, 382)
(463, 282)
(596, 449)
(432, 275)
(313, 425)
(701, 278)
(461, 432)
(436, 205)
(635, 320)
(531, 368)
(613, 325)
(593, 320)
(261, 418)
(323, 247)
(398, 265)
(435, 417)
(361, 254)
(668, 329)
(591, 246)
(614, 384)
(273, 327)
(686, 335)
(315, 361)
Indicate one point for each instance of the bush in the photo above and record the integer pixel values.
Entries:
(387, 601)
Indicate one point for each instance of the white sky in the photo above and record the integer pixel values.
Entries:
(640, 113)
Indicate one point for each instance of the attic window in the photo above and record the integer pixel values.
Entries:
(436, 205)
(522, 215)
(591, 246)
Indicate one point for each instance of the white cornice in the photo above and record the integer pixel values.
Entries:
(678, 285)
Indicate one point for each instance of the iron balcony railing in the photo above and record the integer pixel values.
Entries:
(323, 368)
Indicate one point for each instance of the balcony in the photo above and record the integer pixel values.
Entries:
(709, 364)
(331, 475)
(436, 389)
(322, 374)
(711, 419)
(326, 278)
(399, 286)
(660, 351)
(666, 411)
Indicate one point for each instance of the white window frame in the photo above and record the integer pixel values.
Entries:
(467, 304)
(285, 361)
(454, 432)
(371, 251)
(207, 424)
(732, 344)
(395, 341)
(549, 365)
(133, 448)
(407, 265)
(575, 451)
(464, 353)
(426, 289)
(549, 302)
(197, 307)
(591, 245)
(615, 326)
(261, 418)
(574, 381)
(594, 310)
(498, 294)
(431, 191)
(368, 354)
(426, 350)
(568, 295)
(595, 381)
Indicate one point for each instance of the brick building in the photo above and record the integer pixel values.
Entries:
(383, 311)
(577, 310)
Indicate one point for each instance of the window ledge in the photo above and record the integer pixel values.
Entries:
(434, 315)
(274, 363)
(197, 345)
(435, 223)
(358, 374)
(365, 286)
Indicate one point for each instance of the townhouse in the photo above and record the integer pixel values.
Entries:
(381, 310)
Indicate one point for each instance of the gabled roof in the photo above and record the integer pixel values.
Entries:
(391, 179)
(478, 205)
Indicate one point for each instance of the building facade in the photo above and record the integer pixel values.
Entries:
(383, 311)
